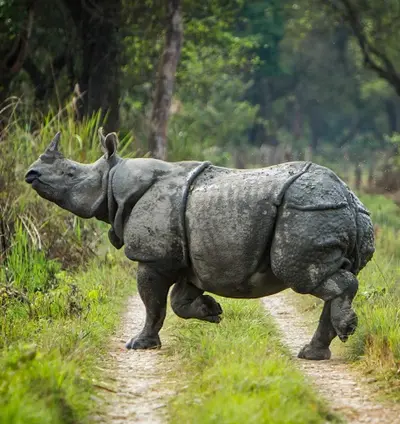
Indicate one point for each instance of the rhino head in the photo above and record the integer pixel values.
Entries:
(76, 187)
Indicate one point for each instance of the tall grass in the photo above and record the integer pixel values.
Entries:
(376, 343)
(49, 228)
(50, 344)
(54, 315)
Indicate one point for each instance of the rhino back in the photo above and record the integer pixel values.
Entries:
(230, 218)
(317, 189)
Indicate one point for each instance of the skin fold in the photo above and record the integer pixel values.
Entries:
(207, 229)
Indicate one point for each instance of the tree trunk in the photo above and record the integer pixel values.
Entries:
(12, 60)
(371, 176)
(103, 47)
(98, 88)
(357, 176)
(165, 81)
(391, 115)
(315, 120)
(375, 56)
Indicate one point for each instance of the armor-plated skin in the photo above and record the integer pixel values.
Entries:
(234, 233)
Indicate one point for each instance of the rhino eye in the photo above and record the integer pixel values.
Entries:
(70, 174)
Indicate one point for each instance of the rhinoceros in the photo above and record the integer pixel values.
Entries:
(235, 233)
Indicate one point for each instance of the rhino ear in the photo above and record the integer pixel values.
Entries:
(109, 143)
(101, 137)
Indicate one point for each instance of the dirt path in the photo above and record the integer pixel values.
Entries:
(140, 378)
(341, 387)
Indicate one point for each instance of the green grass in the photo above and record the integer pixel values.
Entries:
(238, 372)
(384, 211)
(376, 344)
(50, 346)
(58, 304)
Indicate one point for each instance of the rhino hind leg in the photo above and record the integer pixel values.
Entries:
(340, 289)
(338, 317)
(309, 254)
(318, 348)
(188, 301)
(153, 289)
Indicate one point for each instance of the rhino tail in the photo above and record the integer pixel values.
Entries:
(364, 247)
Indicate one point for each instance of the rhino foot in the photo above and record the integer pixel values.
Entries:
(202, 307)
(208, 309)
(144, 343)
(345, 327)
(314, 353)
(216, 319)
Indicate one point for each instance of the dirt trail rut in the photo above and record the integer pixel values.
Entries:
(343, 388)
(141, 384)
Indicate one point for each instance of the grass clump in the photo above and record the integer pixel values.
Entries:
(50, 343)
(376, 343)
(238, 372)
(375, 346)
(58, 302)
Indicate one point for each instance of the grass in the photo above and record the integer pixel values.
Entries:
(376, 344)
(238, 372)
(58, 303)
(53, 322)
(48, 351)
(375, 347)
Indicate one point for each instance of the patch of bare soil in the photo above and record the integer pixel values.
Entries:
(141, 387)
(343, 388)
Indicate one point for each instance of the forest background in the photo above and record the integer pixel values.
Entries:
(256, 82)
(240, 83)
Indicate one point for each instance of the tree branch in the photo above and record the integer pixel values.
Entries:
(14, 60)
(387, 70)
(165, 80)
(43, 84)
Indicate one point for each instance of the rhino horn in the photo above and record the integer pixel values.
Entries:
(53, 146)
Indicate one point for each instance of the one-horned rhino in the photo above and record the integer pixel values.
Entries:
(234, 233)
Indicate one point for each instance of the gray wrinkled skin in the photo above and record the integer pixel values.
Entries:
(235, 233)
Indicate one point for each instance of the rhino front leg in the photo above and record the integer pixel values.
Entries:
(153, 289)
(188, 301)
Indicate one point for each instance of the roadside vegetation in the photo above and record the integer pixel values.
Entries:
(59, 302)
(53, 339)
(238, 372)
(376, 344)
(242, 89)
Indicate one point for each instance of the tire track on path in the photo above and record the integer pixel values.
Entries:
(343, 388)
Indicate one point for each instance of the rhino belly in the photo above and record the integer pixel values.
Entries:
(260, 284)
(229, 232)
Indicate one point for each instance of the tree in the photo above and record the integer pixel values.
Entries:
(17, 20)
(263, 20)
(375, 26)
(97, 24)
(75, 39)
(166, 80)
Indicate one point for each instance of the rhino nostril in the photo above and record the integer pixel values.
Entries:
(31, 176)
